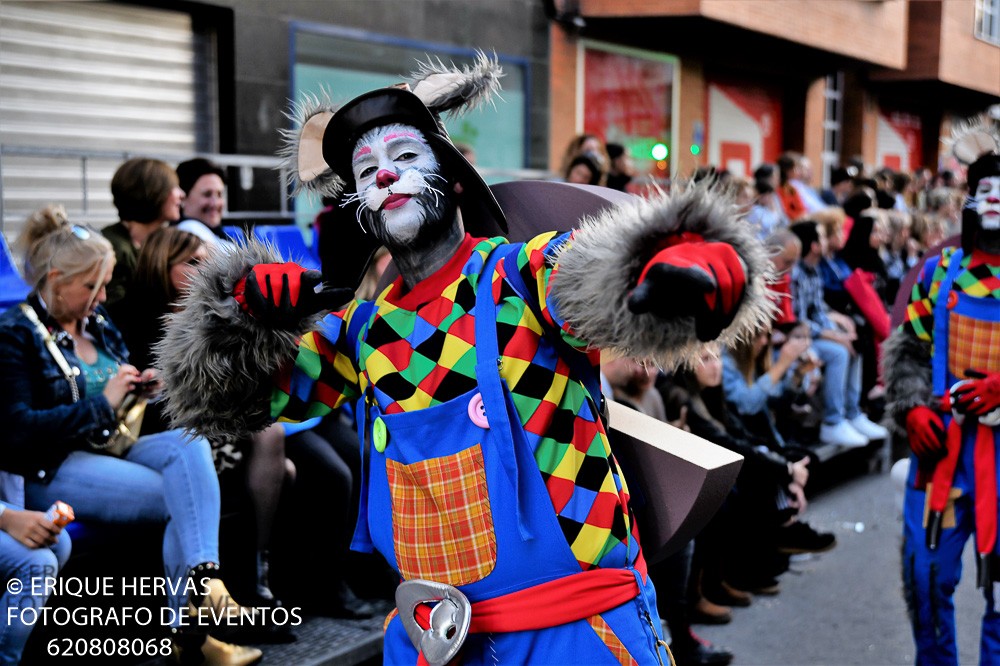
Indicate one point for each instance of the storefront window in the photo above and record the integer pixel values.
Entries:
(629, 99)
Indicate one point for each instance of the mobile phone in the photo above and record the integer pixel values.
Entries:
(139, 387)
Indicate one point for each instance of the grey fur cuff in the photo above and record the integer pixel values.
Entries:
(217, 362)
(600, 266)
(906, 363)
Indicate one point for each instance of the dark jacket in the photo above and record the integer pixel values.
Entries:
(126, 258)
(41, 423)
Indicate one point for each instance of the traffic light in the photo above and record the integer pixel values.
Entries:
(659, 151)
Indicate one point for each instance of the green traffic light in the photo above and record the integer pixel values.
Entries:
(659, 151)
(695, 149)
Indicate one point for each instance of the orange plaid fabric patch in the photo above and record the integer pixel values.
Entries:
(605, 633)
(973, 343)
(388, 618)
(442, 524)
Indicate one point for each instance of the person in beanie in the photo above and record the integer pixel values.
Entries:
(841, 185)
(488, 482)
(204, 185)
(942, 375)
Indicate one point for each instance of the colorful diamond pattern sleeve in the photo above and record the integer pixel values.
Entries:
(980, 278)
(323, 374)
(419, 351)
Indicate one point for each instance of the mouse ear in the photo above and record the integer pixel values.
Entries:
(301, 152)
(445, 89)
(973, 139)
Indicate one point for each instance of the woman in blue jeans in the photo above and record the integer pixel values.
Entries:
(63, 372)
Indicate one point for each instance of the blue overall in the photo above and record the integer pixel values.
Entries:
(930, 577)
(488, 526)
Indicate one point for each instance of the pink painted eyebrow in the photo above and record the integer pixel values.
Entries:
(400, 135)
(362, 151)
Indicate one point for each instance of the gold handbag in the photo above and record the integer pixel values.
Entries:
(128, 416)
(126, 433)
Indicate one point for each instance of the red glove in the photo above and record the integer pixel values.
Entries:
(926, 434)
(696, 278)
(980, 396)
(282, 295)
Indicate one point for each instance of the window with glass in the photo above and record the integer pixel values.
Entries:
(832, 124)
(988, 21)
(629, 99)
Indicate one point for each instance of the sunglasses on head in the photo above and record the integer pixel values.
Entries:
(83, 233)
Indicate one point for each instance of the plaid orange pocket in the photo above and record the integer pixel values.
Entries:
(442, 524)
(972, 343)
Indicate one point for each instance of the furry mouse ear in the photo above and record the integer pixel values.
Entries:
(971, 140)
(302, 149)
(450, 89)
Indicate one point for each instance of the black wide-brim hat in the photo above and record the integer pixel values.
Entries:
(481, 214)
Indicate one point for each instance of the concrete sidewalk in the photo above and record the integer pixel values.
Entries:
(845, 606)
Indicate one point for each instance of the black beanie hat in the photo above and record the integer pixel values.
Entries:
(190, 171)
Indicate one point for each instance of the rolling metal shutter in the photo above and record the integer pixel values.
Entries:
(83, 86)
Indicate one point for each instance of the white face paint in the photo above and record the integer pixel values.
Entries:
(393, 172)
(987, 197)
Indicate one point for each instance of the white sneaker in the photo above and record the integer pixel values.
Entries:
(868, 428)
(842, 434)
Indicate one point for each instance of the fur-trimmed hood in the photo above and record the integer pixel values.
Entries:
(600, 266)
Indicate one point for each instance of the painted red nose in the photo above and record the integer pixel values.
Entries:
(385, 178)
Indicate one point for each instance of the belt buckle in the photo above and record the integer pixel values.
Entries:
(449, 620)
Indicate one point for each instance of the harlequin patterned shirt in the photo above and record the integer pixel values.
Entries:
(980, 277)
(420, 351)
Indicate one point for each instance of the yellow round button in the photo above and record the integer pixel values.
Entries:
(380, 436)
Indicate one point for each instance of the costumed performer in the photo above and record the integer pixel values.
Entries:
(942, 372)
(488, 482)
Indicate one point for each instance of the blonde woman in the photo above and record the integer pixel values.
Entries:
(64, 371)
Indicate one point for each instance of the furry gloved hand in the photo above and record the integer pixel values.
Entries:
(693, 277)
(282, 295)
(926, 434)
(978, 396)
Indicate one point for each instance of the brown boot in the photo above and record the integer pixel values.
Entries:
(705, 612)
(190, 650)
(731, 596)
(210, 603)
(217, 606)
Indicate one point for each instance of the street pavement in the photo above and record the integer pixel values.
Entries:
(845, 606)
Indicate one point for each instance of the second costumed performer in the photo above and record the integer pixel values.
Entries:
(488, 480)
(942, 372)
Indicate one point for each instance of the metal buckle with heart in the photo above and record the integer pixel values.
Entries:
(449, 620)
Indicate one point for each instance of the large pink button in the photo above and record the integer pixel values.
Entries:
(477, 411)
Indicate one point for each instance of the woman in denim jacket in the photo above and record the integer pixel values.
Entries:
(63, 372)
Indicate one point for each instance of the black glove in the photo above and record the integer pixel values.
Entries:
(282, 295)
